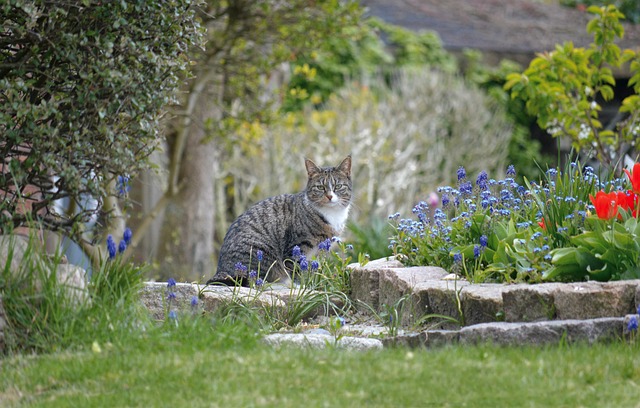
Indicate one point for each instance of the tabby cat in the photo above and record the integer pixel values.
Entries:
(273, 227)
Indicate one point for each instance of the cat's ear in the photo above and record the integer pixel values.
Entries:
(345, 166)
(311, 167)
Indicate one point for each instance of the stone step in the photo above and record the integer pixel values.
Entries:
(432, 291)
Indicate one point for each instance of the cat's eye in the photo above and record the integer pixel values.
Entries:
(340, 186)
(318, 188)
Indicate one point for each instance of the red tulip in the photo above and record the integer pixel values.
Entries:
(607, 204)
(542, 224)
(634, 177)
(628, 201)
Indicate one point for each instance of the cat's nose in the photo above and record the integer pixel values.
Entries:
(329, 196)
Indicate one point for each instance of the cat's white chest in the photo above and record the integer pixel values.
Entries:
(336, 216)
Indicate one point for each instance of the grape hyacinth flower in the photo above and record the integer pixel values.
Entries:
(171, 283)
(484, 241)
(296, 252)
(477, 250)
(253, 275)
(259, 255)
(259, 282)
(122, 247)
(457, 257)
(314, 265)
(325, 245)
(239, 267)
(462, 173)
(111, 246)
(127, 236)
(194, 301)
(122, 185)
(304, 264)
(632, 325)
(466, 188)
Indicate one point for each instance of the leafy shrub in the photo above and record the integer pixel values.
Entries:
(83, 86)
(564, 89)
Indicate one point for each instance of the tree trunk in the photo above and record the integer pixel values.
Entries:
(186, 241)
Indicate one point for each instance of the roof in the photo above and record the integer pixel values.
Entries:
(506, 27)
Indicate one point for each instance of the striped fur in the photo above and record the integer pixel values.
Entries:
(277, 224)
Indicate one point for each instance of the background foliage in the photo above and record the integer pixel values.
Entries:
(404, 140)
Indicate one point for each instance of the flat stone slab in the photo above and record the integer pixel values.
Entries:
(543, 333)
(192, 297)
(321, 341)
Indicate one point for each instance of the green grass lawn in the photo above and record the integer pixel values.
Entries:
(228, 367)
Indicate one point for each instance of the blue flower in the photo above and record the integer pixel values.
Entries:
(457, 257)
(296, 252)
(462, 173)
(477, 250)
(259, 255)
(173, 315)
(239, 267)
(349, 247)
(325, 245)
(253, 275)
(420, 207)
(171, 296)
(304, 264)
(194, 301)
(259, 282)
(482, 180)
(315, 265)
(511, 171)
(484, 241)
(127, 235)
(445, 200)
(122, 246)
(632, 325)
(111, 246)
(171, 283)
(466, 188)
(122, 185)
